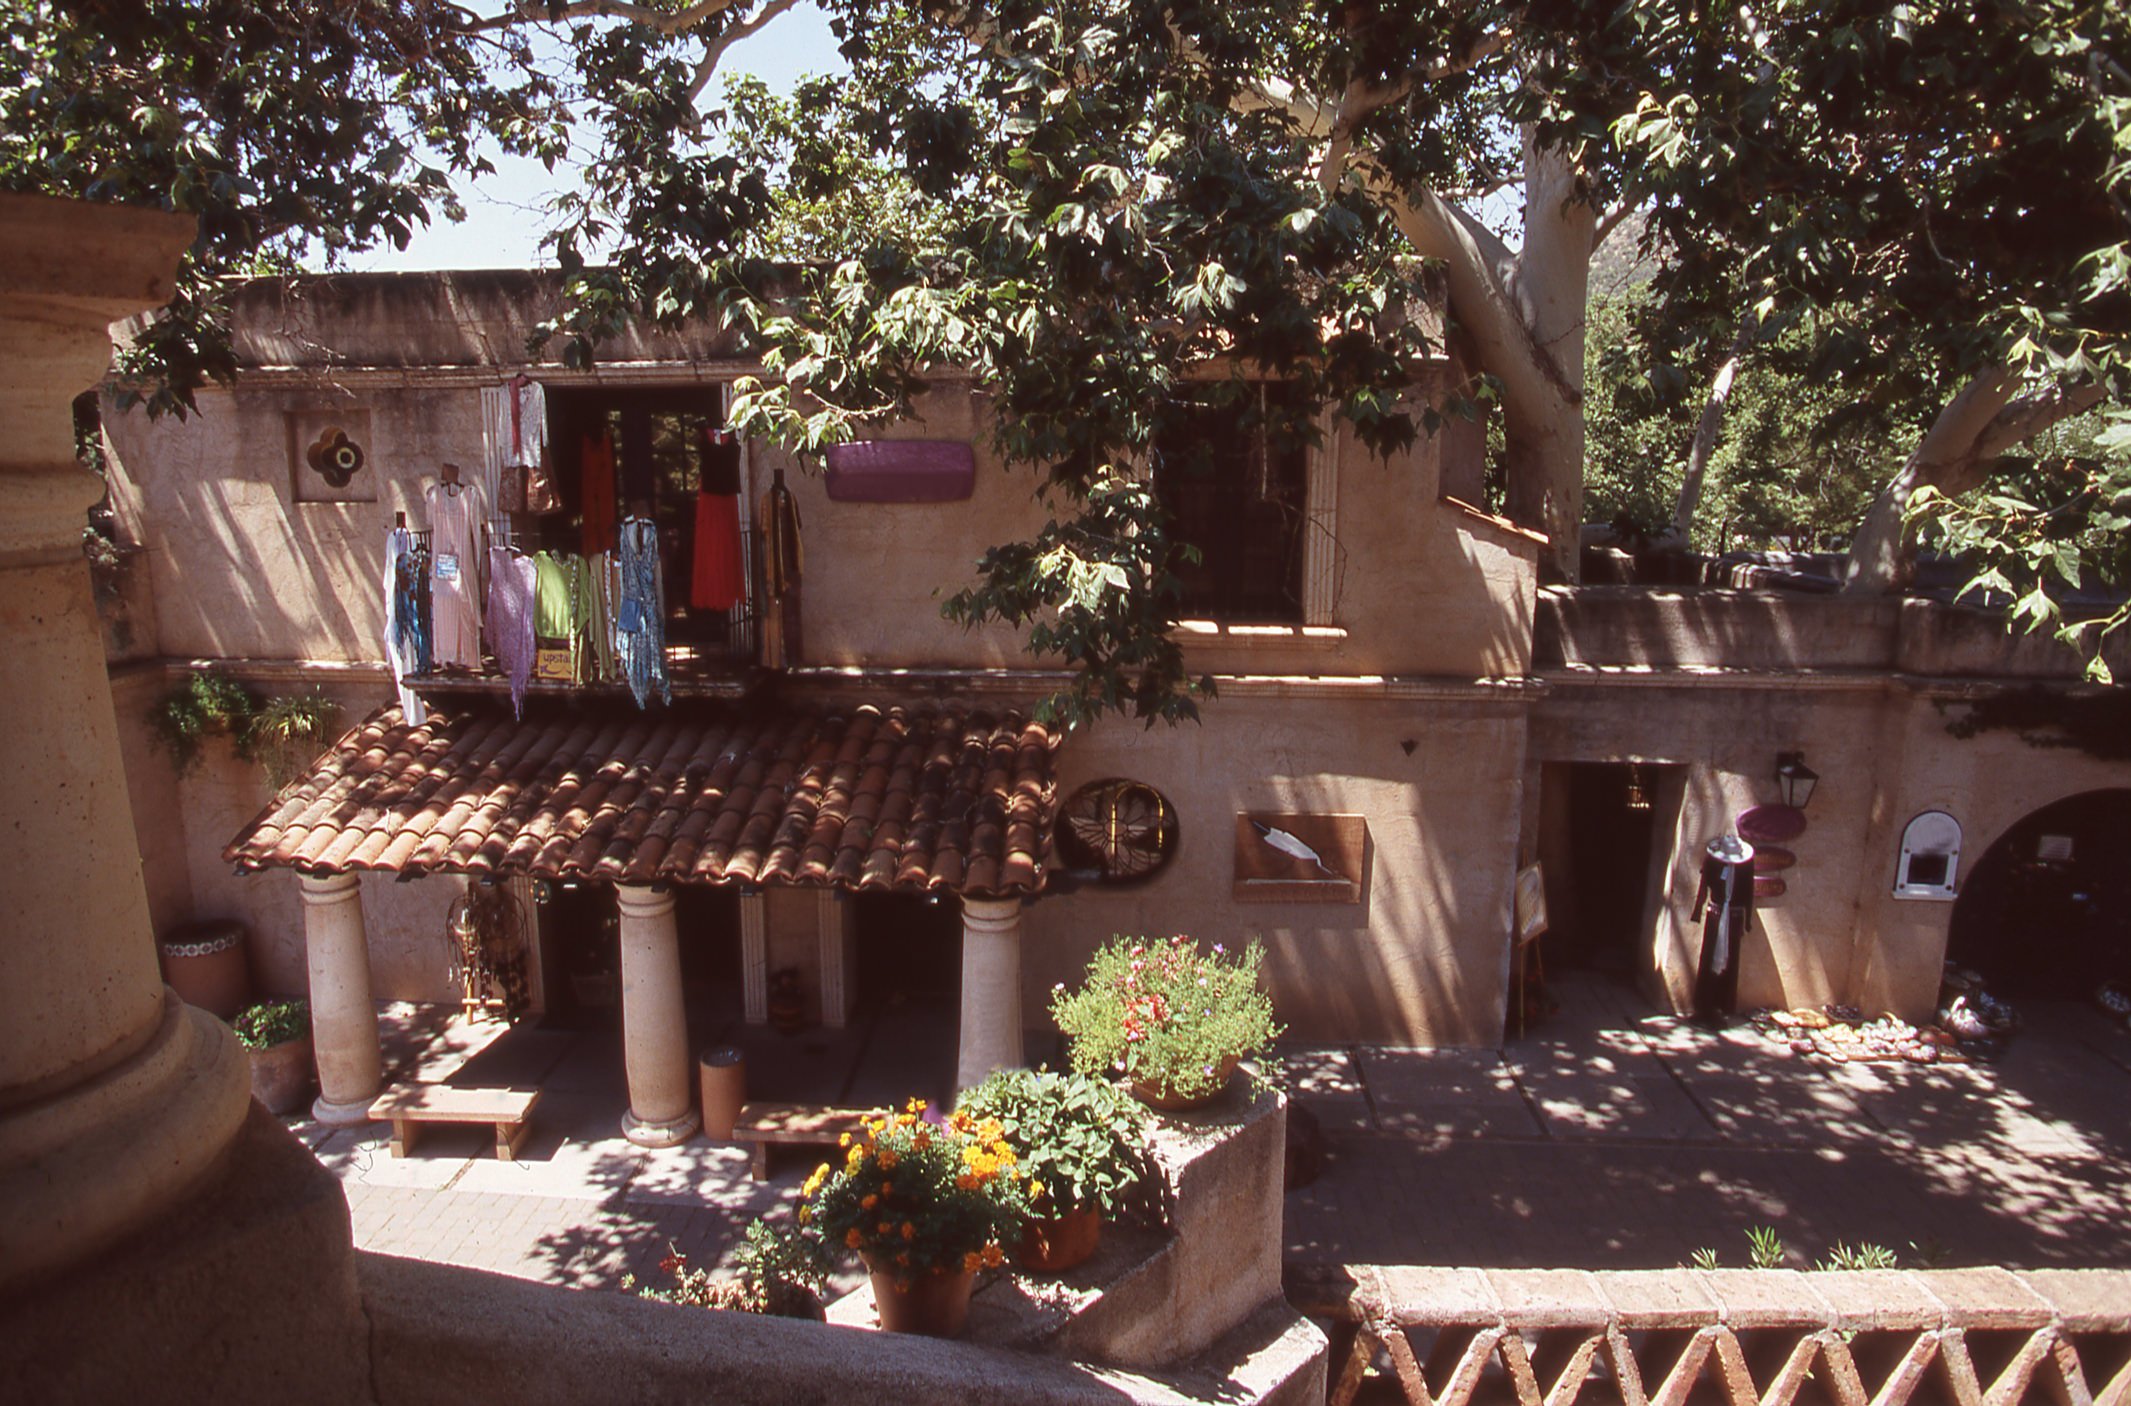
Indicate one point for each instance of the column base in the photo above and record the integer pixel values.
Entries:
(343, 1115)
(665, 1133)
(97, 1161)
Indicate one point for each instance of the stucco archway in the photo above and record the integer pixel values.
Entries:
(2047, 909)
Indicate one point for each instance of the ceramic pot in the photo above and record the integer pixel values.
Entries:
(935, 1305)
(281, 1074)
(722, 1074)
(1154, 1096)
(1060, 1243)
(205, 965)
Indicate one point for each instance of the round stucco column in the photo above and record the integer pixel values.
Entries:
(991, 989)
(662, 1106)
(351, 1066)
(116, 1099)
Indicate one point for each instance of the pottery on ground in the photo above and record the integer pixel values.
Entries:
(281, 1074)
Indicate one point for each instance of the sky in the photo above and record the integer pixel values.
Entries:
(504, 217)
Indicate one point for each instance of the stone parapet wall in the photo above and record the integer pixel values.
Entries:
(1885, 1336)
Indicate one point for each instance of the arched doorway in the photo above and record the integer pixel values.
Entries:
(2047, 911)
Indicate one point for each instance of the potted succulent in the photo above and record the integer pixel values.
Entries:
(277, 1035)
(926, 1203)
(778, 1271)
(1169, 1018)
(1082, 1140)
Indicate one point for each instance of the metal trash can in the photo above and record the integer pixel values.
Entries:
(724, 1078)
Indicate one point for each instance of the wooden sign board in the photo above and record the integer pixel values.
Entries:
(1300, 858)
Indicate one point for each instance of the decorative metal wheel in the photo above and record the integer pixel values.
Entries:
(1124, 831)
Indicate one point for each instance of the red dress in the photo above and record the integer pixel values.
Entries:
(718, 581)
(596, 494)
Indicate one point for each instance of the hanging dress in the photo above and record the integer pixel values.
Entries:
(406, 625)
(455, 516)
(640, 618)
(562, 605)
(510, 618)
(596, 493)
(779, 568)
(719, 581)
(601, 580)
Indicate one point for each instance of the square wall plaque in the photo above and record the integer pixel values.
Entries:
(1300, 858)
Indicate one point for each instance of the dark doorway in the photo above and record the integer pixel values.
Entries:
(2047, 911)
(1613, 822)
(707, 921)
(909, 948)
(580, 934)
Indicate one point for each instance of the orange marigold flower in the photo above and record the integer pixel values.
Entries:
(853, 1238)
(903, 1259)
(910, 1231)
(888, 1157)
(993, 1255)
(971, 1262)
(868, 1203)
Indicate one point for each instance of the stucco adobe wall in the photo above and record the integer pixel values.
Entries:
(238, 569)
(1883, 754)
(184, 823)
(1422, 958)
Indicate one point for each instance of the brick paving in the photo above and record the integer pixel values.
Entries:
(1612, 1139)
(1607, 1139)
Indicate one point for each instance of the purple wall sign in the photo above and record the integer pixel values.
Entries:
(901, 471)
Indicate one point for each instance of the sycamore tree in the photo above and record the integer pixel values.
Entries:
(1100, 201)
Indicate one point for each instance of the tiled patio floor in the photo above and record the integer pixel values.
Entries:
(1608, 1138)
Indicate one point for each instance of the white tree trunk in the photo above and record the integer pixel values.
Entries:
(1551, 287)
(1524, 314)
(1705, 440)
(1946, 459)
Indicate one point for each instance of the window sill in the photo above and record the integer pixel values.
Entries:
(1218, 632)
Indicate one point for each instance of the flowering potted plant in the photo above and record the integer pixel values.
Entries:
(1080, 1139)
(777, 1271)
(277, 1036)
(926, 1204)
(1172, 1019)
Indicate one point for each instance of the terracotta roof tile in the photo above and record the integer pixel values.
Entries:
(864, 798)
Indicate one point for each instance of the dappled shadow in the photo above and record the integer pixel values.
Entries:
(1606, 1141)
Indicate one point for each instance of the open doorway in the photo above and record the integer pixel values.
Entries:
(1610, 825)
(2047, 910)
(909, 975)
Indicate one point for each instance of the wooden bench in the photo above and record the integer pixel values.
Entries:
(793, 1124)
(510, 1110)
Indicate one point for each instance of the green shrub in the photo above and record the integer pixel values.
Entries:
(1083, 1140)
(777, 1271)
(1167, 1014)
(273, 1023)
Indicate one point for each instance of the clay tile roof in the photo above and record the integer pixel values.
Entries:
(863, 798)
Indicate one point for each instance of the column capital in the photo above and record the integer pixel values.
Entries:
(643, 901)
(991, 915)
(322, 889)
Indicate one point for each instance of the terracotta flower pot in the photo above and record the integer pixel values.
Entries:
(1059, 1243)
(281, 1074)
(1154, 1096)
(935, 1304)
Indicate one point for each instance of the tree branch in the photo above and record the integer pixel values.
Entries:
(2029, 415)
(664, 21)
(1630, 200)
(714, 52)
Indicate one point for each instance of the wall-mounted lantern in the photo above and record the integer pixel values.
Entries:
(1794, 779)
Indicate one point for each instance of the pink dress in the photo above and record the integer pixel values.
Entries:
(455, 519)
